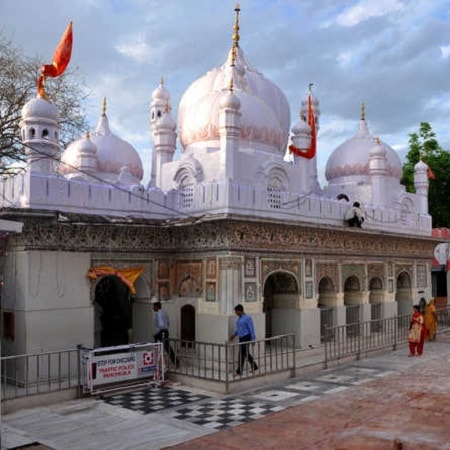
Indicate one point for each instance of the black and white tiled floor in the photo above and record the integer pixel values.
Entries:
(221, 413)
(155, 399)
(225, 413)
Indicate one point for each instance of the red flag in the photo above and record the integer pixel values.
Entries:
(430, 174)
(311, 152)
(60, 61)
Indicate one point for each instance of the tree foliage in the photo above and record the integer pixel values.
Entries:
(18, 84)
(424, 146)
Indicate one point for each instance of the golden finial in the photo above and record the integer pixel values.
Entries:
(231, 85)
(363, 111)
(88, 135)
(310, 85)
(377, 140)
(236, 25)
(161, 81)
(167, 108)
(235, 36)
(104, 107)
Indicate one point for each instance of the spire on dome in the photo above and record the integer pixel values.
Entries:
(104, 107)
(235, 44)
(363, 111)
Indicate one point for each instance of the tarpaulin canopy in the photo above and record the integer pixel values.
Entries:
(127, 275)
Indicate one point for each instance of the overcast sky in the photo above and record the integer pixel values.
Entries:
(392, 54)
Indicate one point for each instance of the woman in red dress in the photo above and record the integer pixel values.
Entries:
(417, 331)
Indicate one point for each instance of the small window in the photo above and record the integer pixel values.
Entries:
(32, 133)
(159, 114)
(274, 197)
(187, 197)
(45, 133)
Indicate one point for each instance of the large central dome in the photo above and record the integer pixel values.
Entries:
(265, 114)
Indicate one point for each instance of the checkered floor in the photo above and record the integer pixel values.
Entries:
(222, 413)
(153, 399)
(225, 413)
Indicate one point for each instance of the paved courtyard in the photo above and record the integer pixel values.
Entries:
(386, 401)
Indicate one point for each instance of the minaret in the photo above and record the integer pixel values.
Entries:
(301, 139)
(164, 134)
(40, 135)
(421, 184)
(230, 115)
(378, 171)
(229, 130)
(164, 144)
(88, 157)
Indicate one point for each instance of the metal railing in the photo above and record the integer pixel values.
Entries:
(25, 375)
(356, 339)
(219, 362)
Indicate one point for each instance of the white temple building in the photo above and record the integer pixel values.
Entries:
(231, 221)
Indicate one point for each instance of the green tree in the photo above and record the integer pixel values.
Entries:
(424, 146)
(18, 84)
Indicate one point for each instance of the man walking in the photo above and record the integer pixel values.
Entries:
(161, 330)
(245, 331)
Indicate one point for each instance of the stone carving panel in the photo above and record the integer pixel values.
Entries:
(271, 265)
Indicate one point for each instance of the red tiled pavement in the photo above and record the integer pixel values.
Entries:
(403, 411)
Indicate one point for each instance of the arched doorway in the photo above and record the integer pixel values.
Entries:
(403, 294)
(375, 300)
(280, 296)
(113, 312)
(352, 302)
(326, 302)
(187, 325)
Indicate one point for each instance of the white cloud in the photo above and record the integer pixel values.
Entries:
(445, 51)
(366, 9)
(135, 48)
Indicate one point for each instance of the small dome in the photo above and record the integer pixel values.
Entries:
(87, 147)
(420, 167)
(113, 153)
(265, 114)
(378, 149)
(40, 108)
(351, 159)
(229, 100)
(161, 94)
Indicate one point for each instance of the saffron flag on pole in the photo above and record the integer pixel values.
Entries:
(311, 151)
(431, 175)
(60, 60)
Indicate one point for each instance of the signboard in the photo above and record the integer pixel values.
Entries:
(124, 363)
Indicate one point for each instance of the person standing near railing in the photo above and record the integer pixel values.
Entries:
(245, 331)
(431, 320)
(161, 330)
(417, 332)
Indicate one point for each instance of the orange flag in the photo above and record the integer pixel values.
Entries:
(431, 175)
(60, 61)
(311, 152)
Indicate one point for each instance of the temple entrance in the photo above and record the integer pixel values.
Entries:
(113, 312)
(404, 295)
(352, 302)
(375, 300)
(187, 326)
(326, 303)
(280, 298)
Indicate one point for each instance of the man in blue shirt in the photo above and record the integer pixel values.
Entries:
(161, 330)
(245, 331)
